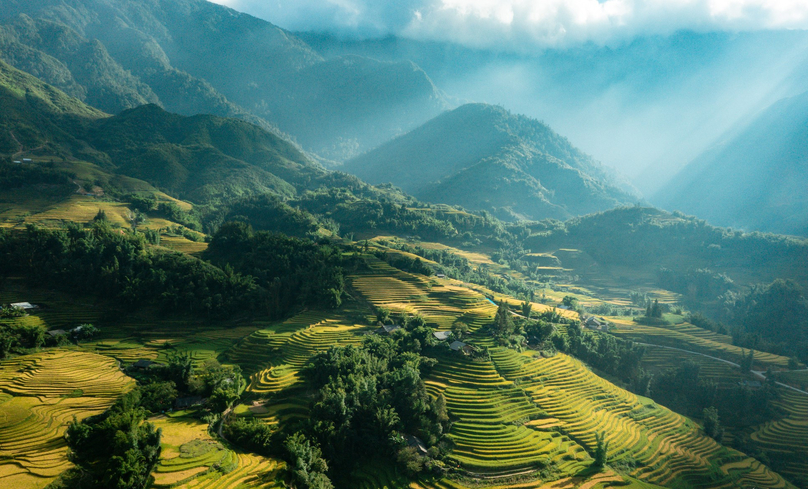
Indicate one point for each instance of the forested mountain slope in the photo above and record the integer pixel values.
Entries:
(192, 57)
(483, 157)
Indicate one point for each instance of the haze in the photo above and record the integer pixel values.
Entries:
(644, 87)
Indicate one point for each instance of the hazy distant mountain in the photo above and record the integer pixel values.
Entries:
(755, 180)
(483, 157)
(192, 56)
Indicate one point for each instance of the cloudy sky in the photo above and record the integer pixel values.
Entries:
(525, 24)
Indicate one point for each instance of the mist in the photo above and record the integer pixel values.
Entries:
(644, 89)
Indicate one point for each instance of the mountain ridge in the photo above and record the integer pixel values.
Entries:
(438, 162)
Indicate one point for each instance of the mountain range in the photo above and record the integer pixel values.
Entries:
(483, 157)
(192, 56)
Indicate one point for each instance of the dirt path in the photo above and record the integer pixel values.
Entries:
(758, 373)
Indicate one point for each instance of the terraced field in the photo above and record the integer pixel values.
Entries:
(40, 395)
(665, 448)
(689, 337)
(440, 302)
(787, 438)
(658, 359)
(273, 356)
(191, 458)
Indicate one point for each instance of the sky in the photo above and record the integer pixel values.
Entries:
(523, 25)
(616, 77)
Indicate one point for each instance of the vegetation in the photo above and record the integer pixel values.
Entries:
(117, 449)
(369, 396)
(118, 265)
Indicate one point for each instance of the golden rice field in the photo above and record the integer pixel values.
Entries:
(284, 354)
(689, 337)
(440, 304)
(192, 458)
(41, 393)
(666, 448)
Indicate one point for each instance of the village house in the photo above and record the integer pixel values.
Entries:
(442, 335)
(460, 346)
(597, 324)
(25, 306)
(188, 402)
(416, 443)
(388, 329)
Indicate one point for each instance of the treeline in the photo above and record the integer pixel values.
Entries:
(773, 318)
(118, 265)
(288, 271)
(641, 235)
(17, 175)
(250, 272)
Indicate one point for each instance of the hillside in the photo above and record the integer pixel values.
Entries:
(483, 157)
(192, 57)
(202, 158)
(755, 180)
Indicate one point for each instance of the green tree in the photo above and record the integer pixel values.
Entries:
(179, 369)
(460, 329)
(601, 450)
(712, 426)
(503, 323)
(306, 463)
(747, 361)
(570, 301)
(526, 309)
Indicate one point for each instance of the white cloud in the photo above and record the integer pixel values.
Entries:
(526, 24)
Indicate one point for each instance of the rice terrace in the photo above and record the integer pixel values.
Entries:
(236, 255)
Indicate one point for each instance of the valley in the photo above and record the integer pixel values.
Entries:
(234, 256)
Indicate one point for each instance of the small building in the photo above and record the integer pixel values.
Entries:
(188, 402)
(460, 346)
(440, 275)
(457, 345)
(55, 333)
(562, 306)
(597, 324)
(416, 443)
(18, 162)
(27, 160)
(388, 329)
(442, 335)
(25, 306)
(752, 384)
(143, 364)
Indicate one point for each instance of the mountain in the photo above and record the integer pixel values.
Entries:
(203, 158)
(192, 57)
(484, 157)
(754, 180)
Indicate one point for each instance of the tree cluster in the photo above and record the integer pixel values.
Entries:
(117, 264)
(117, 449)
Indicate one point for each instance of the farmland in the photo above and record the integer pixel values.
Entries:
(519, 419)
(41, 393)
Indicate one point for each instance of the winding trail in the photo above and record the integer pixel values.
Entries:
(758, 373)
